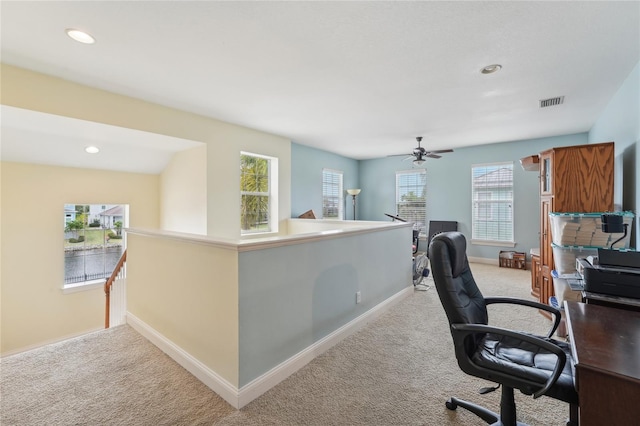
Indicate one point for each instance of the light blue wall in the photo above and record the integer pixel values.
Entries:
(293, 296)
(306, 179)
(448, 179)
(620, 122)
(449, 188)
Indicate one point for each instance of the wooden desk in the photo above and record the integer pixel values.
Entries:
(612, 301)
(605, 343)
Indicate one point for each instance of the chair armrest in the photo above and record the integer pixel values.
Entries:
(513, 301)
(469, 329)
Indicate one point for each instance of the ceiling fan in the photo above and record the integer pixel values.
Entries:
(420, 154)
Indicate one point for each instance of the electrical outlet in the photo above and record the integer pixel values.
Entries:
(358, 297)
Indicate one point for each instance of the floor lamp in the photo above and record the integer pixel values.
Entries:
(354, 193)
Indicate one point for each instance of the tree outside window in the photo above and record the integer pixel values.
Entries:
(255, 194)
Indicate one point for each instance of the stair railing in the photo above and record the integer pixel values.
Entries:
(109, 283)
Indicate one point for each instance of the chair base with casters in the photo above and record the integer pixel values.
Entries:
(534, 365)
(507, 415)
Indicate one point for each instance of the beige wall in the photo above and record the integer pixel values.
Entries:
(26, 89)
(33, 311)
(33, 308)
(190, 298)
(183, 192)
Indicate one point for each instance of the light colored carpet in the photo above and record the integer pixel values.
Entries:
(397, 371)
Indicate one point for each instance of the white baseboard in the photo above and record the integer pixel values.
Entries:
(238, 398)
(206, 375)
(271, 378)
(483, 260)
(49, 342)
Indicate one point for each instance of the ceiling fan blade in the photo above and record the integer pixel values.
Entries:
(419, 154)
(442, 151)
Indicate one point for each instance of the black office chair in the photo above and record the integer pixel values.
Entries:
(532, 364)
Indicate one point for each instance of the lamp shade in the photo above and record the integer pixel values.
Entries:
(418, 162)
(353, 191)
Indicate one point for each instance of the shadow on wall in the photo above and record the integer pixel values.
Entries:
(629, 182)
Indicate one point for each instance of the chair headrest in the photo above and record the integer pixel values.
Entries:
(457, 247)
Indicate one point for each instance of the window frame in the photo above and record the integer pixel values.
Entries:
(271, 194)
(423, 187)
(339, 192)
(89, 284)
(493, 209)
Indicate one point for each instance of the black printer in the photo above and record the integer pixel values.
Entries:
(613, 273)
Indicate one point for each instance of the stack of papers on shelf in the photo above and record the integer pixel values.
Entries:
(571, 275)
(581, 231)
(573, 279)
(576, 284)
(599, 240)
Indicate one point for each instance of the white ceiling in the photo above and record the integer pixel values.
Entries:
(36, 137)
(361, 79)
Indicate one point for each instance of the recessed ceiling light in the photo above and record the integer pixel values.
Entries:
(80, 36)
(490, 69)
(92, 149)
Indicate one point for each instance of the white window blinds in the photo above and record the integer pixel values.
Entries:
(411, 197)
(332, 194)
(492, 202)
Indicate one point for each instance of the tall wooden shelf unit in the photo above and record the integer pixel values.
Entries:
(572, 179)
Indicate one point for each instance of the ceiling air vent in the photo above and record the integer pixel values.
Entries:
(551, 101)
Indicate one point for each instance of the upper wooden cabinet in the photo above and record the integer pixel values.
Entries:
(580, 178)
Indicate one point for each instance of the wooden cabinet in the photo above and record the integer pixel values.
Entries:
(572, 179)
(535, 275)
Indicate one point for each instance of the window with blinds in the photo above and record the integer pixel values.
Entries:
(332, 194)
(411, 197)
(492, 203)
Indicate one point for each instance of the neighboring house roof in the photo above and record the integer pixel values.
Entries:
(113, 211)
(496, 178)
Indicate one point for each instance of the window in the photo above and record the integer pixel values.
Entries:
(93, 242)
(411, 198)
(492, 203)
(332, 194)
(257, 183)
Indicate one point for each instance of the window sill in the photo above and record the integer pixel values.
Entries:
(259, 234)
(83, 286)
(493, 243)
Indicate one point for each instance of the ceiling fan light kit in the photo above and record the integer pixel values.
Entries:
(490, 69)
